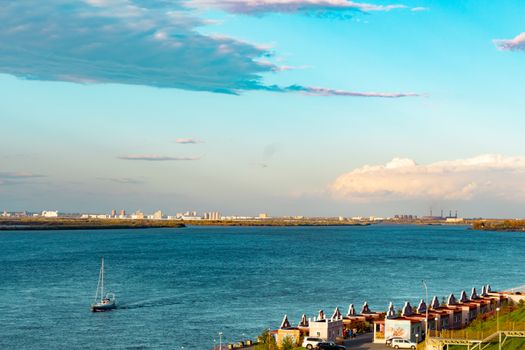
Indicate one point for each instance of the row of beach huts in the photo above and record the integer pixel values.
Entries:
(408, 323)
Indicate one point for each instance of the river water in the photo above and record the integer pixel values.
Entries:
(180, 287)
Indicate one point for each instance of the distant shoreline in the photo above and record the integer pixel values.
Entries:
(47, 224)
(275, 223)
(43, 224)
(499, 225)
(72, 223)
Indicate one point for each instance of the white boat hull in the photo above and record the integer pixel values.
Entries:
(98, 307)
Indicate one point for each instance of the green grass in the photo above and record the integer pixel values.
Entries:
(510, 344)
(491, 324)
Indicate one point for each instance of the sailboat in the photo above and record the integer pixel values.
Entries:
(106, 302)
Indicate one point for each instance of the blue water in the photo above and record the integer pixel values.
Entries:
(179, 287)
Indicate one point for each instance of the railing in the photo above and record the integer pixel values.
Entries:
(478, 332)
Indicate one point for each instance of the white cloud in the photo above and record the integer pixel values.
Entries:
(18, 175)
(419, 9)
(156, 158)
(141, 42)
(187, 140)
(516, 44)
(122, 180)
(317, 91)
(494, 176)
(292, 6)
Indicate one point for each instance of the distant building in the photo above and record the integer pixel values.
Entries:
(190, 218)
(263, 216)
(113, 213)
(405, 217)
(212, 215)
(455, 220)
(95, 216)
(158, 215)
(138, 215)
(49, 214)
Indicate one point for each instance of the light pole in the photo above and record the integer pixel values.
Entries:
(426, 309)
(497, 327)
(220, 340)
(497, 319)
(214, 344)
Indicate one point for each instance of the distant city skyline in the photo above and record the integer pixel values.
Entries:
(297, 107)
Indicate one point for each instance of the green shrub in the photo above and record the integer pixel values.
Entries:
(287, 343)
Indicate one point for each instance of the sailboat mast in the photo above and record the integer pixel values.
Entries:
(98, 284)
(102, 281)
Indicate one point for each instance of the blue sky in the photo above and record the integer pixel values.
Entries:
(291, 107)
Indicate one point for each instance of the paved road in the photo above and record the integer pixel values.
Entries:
(361, 342)
(364, 342)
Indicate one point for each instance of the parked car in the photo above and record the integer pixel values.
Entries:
(329, 346)
(403, 344)
(389, 340)
(311, 342)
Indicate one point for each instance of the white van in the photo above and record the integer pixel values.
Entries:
(403, 344)
(311, 342)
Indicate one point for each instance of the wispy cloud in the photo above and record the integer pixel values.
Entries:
(419, 9)
(122, 180)
(317, 91)
(153, 43)
(285, 68)
(18, 175)
(516, 44)
(187, 140)
(156, 158)
(258, 7)
(495, 176)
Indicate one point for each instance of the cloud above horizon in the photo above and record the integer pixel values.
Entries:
(187, 140)
(152, 43)
(156, 158)
(317, 91)
(122, 180)
(14, 177)
(516, 44)
(490, 175)
(18, 175)
(259, 7)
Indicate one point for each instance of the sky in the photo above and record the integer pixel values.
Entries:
(287, 107)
